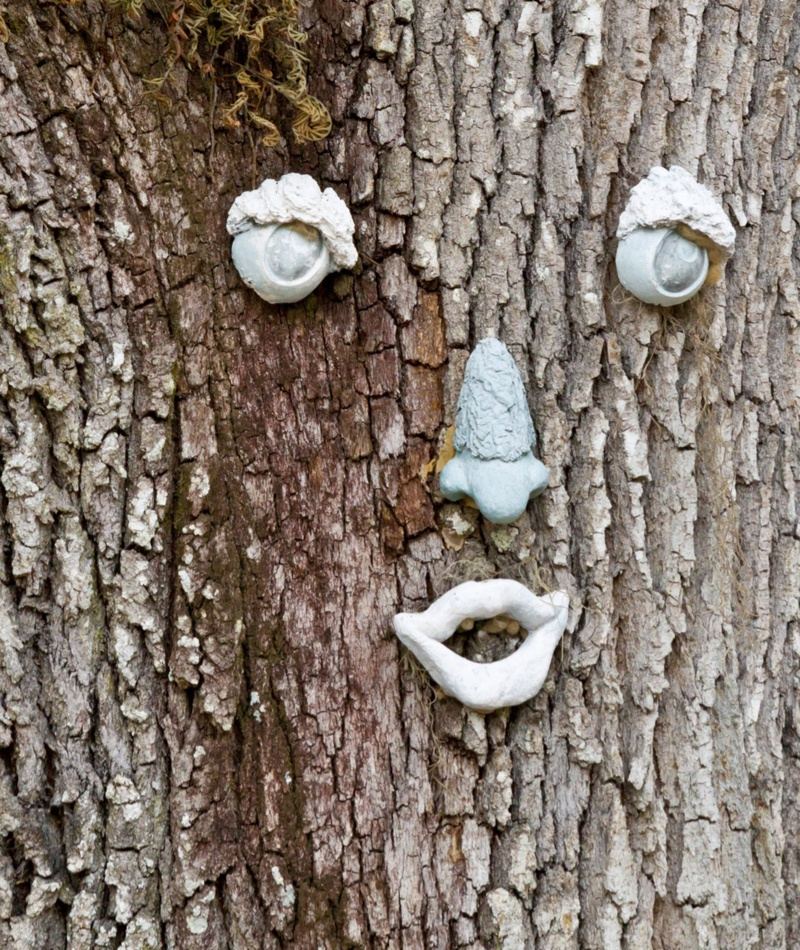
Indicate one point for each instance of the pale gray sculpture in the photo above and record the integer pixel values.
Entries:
(659, 266)
(485, 687)
(674, 237)
(288, 236)
(494, 463)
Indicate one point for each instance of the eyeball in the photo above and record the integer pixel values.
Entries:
(679, 264)
(655, 262)
(283, 263)
(293, 251)
(659, 266)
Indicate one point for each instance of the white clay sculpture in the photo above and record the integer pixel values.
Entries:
(288, 235)
(494, 463)
(485, 687)
(674, 236)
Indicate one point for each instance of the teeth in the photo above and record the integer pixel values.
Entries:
(485, 687)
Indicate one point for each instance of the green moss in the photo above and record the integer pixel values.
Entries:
(7, 283)
(9, 288)
(259, 42)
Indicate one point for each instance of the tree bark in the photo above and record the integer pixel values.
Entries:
(211, 507)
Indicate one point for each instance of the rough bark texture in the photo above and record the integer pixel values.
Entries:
(210, 507)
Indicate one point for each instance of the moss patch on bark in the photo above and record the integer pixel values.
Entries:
(258, 42)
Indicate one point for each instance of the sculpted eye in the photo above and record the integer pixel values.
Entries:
(674, 236)
(288, 235)
(679, 263)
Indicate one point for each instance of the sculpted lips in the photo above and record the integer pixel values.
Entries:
(485, 687)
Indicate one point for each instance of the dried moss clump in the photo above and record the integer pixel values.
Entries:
(259, 42)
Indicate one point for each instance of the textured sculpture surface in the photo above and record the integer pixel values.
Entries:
(494, 464)
(667, 198)
(485, 687)
(288, 235)
(674, 237)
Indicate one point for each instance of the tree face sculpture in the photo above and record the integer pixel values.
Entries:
(674, 236)
(211, 508)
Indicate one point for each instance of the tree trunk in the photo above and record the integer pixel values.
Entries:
(212, 507)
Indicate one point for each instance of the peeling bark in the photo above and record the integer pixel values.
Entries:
(210, 508)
